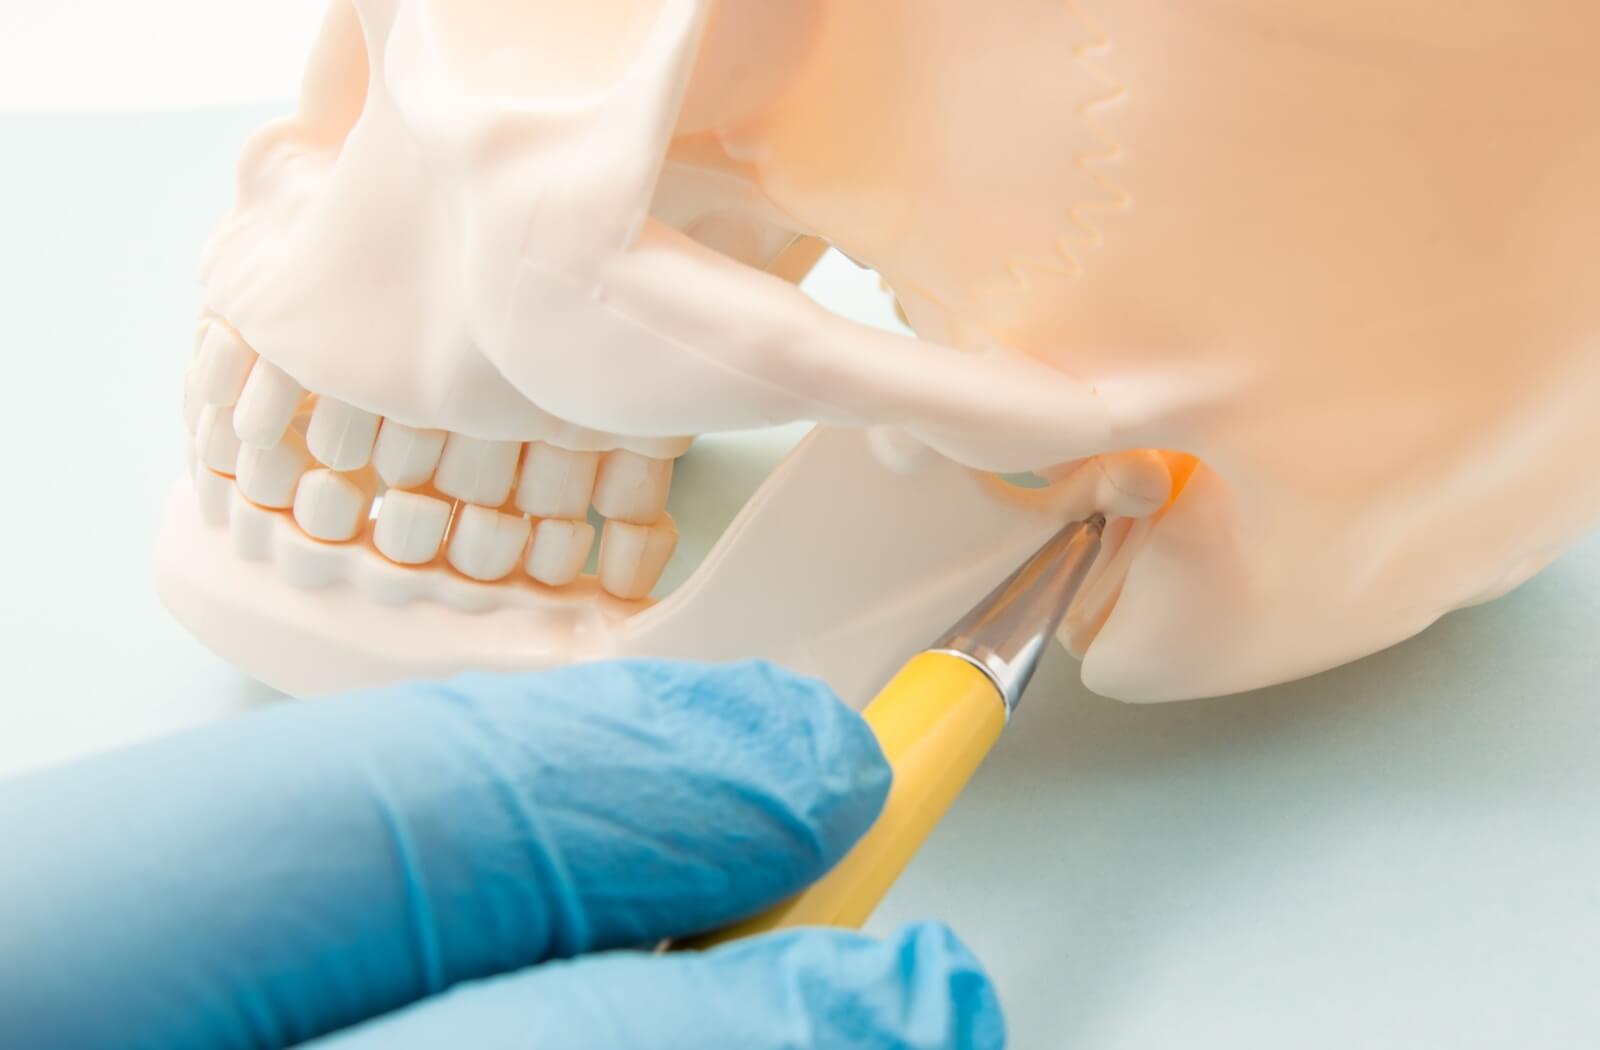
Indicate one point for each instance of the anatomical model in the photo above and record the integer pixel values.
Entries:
(1328, 272)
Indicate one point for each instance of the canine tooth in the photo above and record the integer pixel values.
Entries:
(224, 366)
(341, 435)
(477, 470)
(269, 400)
(215, 443)
(631, 487)
(559, 549)
(330, 506)
(556, 482)
(405, 456)
(485, 544)
(632, 557)
(269, 476)
(410, 527)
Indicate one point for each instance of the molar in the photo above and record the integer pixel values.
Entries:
(582, 439)
(632, 488)
(556, 482)
(558, 551)
(484, 543)
(632, 557)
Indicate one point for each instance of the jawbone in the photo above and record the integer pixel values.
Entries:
(844, 560)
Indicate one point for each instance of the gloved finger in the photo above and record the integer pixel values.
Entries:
(919, 990)
(295, 871)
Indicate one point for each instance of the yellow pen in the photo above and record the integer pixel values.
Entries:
(936, 720)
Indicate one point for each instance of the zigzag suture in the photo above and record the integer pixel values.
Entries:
(1083, 233)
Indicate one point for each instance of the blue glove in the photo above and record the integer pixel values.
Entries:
(405, 867)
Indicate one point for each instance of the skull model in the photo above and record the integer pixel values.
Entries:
(1327, 273)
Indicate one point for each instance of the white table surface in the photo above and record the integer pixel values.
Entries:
(1401, 853)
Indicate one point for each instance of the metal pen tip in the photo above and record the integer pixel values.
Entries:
(1005, 635)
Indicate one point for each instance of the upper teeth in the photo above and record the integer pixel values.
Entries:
(341, 436)
(404, 457)
(489, 506)
(266, 405)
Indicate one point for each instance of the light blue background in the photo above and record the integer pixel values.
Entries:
(1401, 853)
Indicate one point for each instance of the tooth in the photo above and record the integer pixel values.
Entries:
(405, 456)
(330, 506)
(212, 492)
(633, 556)
(485, 544)
(631, 487)
(559, 549)
(341, 435)
(202, 328)
(250, 527)
(268, 476)
(659, 448)
(556, 482)
(224, 365)
(570, 435)
(477, 470)
(270, 399)
(192, 402)
(215, 443)
(410, 527)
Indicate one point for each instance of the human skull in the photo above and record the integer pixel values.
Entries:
(1323, 275)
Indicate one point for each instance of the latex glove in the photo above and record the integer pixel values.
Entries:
(302, 870)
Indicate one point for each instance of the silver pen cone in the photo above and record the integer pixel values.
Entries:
(1005, 634)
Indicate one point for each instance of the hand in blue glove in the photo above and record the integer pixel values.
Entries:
(405, 867)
